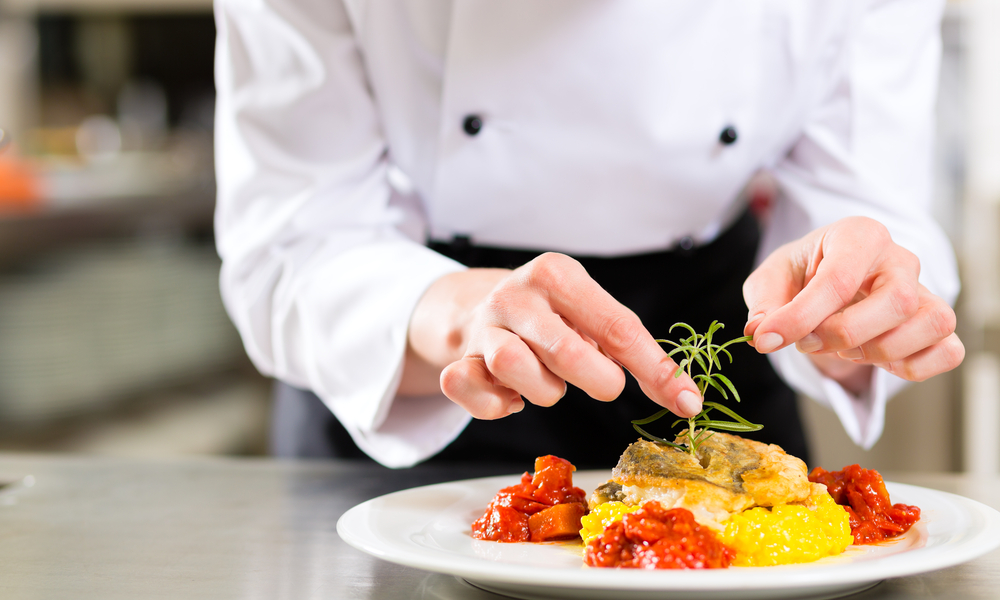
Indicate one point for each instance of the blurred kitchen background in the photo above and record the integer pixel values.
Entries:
(113, 339)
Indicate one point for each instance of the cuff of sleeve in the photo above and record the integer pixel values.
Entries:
(414, 429)
(359, 383)
(863, 417)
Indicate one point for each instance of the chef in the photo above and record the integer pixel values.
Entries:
(453, 228)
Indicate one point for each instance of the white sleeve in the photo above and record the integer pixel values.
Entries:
(866, 149)
(317, 273)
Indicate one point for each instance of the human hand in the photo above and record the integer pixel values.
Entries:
(848, 296)
(500, 335)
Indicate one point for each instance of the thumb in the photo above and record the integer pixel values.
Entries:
(772, 285)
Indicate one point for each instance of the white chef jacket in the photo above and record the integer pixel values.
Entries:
(341, 144)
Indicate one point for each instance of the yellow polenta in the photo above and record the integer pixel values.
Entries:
(784, 534)
(788, 533)
(601, 516)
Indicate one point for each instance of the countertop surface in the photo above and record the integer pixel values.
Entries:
(88, 527)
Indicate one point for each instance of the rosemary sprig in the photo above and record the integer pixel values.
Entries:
(699, 350)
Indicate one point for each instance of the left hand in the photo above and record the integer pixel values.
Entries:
(848, 296)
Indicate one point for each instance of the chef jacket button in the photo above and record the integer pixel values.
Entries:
(686, 243)
(728, 135)
(472, 124)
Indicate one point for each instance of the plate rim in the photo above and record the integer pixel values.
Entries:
(793, 577)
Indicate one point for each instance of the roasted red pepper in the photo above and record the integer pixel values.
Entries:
(507, 516)
(862, 493)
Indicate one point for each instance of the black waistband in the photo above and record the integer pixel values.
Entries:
(744, 232)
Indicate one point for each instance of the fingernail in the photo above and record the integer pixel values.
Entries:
(768, 342)
(810, 343)
(515, 407)
(852, 354)
(689, 403)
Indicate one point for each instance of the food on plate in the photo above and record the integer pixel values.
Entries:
(545, 506)
(704, 500)
(655, 537)
(756, 498)
(862, 493)
(655, 534)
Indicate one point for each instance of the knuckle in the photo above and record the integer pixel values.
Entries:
(842, 337)
(665, 378)
(842, 285)
(621, 333)
(907, 370)
(946, 356)
(910, 260)
(874, 230)
(912, 371)
(565, 351)
(866, 228)
(954, 353)
(875, 352)
(550, 270)
(505, 358)
(495, 305)
(859, 221)
(942, 321)
(905, 302)
(880, 232)
(839, 333)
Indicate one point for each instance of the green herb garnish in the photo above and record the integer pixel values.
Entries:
(699, 350)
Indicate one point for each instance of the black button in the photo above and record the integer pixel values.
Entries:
(728, 135)
(472, 124)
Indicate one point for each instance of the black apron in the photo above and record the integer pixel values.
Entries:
(695, 285)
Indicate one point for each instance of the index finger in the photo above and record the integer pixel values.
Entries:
(620, 334)
(796, 298)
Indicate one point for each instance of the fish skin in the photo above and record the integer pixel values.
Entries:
(610, 491)
(729, 475)
(647, 463)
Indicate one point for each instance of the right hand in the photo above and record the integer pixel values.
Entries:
(499, 335)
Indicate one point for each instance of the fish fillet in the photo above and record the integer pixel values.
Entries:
(730, 474)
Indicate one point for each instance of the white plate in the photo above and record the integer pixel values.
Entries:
(430, 528)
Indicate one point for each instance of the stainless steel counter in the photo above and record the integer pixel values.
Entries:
(76, 527)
